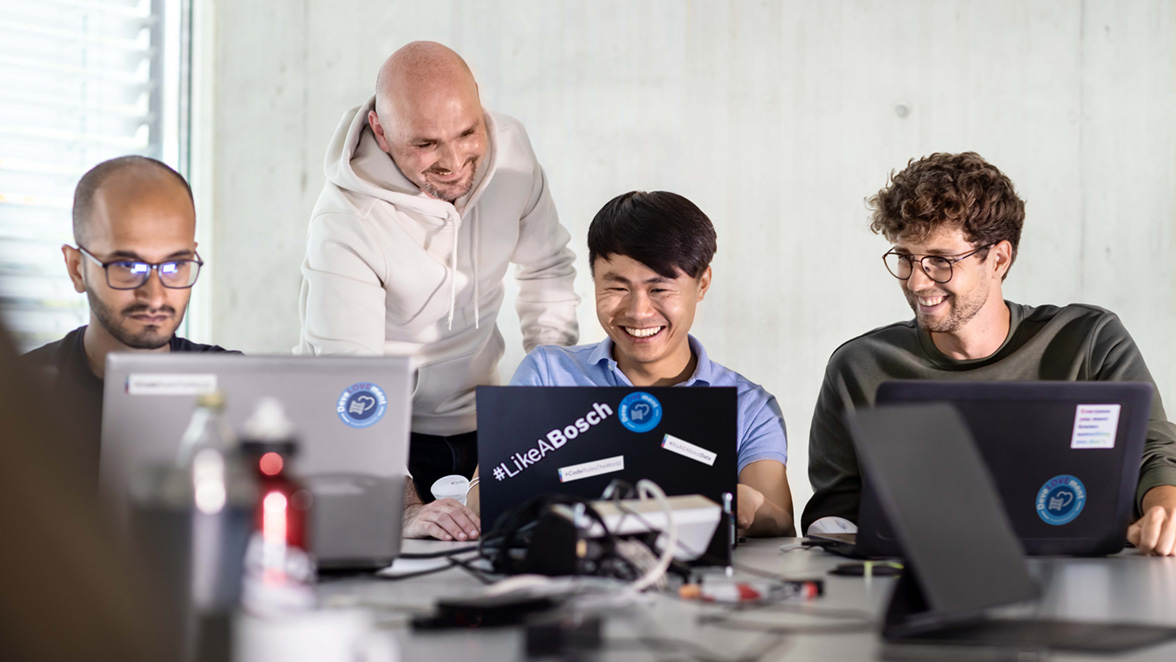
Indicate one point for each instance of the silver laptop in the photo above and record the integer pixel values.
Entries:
(352, 419)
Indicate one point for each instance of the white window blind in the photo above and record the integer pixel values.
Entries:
(81, 81)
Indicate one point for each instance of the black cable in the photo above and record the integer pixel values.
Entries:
(441, 554)
(478, 574)
(419, 573)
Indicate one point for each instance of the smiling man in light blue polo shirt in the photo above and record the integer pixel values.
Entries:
(650, 257)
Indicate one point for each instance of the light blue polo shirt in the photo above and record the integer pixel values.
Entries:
(761, 425)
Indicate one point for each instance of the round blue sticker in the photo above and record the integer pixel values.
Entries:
(1060, 500)
(640, 412)
(362, 405)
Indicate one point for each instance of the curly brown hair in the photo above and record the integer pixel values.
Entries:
(953, 190)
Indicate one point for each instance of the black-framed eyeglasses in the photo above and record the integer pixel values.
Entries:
(133, 274)
(937, 267)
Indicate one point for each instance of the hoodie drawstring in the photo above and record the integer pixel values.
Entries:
(453, 274)
(477, 294)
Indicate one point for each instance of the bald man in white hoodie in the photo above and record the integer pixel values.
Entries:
(429, 198)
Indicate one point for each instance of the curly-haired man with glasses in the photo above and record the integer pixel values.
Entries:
(134, 226)
(955, 222)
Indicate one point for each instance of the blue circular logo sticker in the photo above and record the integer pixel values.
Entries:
(362, 405)
(1060, 500)
(640, 412)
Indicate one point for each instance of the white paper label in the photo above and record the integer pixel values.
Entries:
(590, 469)
(163, 384)
(687, 449)
(1095, 426)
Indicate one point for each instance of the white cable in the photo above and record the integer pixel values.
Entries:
(646, 489)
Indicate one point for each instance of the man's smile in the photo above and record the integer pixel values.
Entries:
(643, 332)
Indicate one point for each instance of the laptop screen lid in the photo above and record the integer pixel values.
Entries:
(942, 502)
(962, 556)
(535, 440)
(1065, 455)
(149, 399)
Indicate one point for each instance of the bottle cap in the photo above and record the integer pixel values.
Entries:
(268, 429)
(213, 399)
(268, 422)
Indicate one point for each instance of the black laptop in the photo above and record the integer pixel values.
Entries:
(1065, 457)
(537, 440)
(962, 556)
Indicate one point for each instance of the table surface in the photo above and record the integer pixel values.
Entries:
(1127, 587)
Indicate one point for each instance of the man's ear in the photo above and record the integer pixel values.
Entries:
(73, 266)
(378, 129)
(704, 281)
(1002, 257)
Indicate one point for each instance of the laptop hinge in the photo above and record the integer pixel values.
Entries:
(909, 613)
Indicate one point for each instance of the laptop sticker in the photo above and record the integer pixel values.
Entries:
(589, 469)
(362, 405)
(1095, 426)
(640, 412)
(1061, 500)
(687, 449)
(165, 384)
(552, 441)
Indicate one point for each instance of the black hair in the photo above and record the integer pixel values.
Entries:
(662, 230)
(93, 180)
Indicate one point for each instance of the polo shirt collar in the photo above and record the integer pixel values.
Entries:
(704, 371)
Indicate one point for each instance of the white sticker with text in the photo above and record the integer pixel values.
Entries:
(687, 449)
(164, 384)
(1095, 426)
(589, 469)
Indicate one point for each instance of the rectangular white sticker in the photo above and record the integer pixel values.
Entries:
(1095, 426)
(687, 449)
(590, 469)
(164, 384)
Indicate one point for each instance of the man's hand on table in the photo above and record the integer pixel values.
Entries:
(1155, 532)
(443, 519)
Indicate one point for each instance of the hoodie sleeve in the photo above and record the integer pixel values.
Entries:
(342, 300)
(547, 299)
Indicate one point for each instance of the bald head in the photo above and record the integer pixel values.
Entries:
(419, 69)
(120, 178)
(429, 119)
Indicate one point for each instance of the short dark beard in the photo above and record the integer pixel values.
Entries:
(962, 312)
(106, 318)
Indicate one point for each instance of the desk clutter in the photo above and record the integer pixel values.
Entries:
(229, 524)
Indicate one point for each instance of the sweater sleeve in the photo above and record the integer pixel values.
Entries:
(547, 299)
(342, 302)
(833, 465)
(1114, 356)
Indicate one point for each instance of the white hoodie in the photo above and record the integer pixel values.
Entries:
(390, 270)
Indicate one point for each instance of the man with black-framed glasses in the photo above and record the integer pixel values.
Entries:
(955, 224)
(134, 257)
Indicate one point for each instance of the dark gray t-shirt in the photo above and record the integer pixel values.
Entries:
(1073, 343)
(77, 392)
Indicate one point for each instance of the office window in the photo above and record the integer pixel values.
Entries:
(81, 81)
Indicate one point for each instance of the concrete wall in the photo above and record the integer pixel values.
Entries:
(776, 118)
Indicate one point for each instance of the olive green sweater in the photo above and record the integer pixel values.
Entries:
(1074, 343)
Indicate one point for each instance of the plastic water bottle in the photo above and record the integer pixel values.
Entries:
(223, 494)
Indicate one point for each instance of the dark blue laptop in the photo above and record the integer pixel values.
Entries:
(576, 440)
